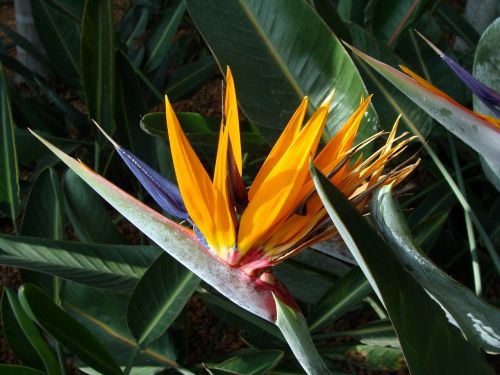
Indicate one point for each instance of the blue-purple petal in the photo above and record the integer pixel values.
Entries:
(164, 192)
(488, 96)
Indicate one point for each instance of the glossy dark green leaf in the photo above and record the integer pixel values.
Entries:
(277, 59)
(486, 62)
(190, 77)
(102, 312)
(344, 295)
(65, 329)
(130, 106)
(249, 363)
(404, 299)
(158, 298)
(107, 266)
(326, 9)
(59, 36)
(44, 213)
(97, 62)
(85, 209)
(157, 46)
(9, 174)
(479, 321)
(35, 349)
(18, 370)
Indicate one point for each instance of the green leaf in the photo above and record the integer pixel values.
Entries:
(379, 333)
(44, 213)
(277, 59)
(326, 9)
(179, 242)
(249, 363)
(294, 328)
(387, 98)
(30, 150)
(9, 174)
(372, 357)
(85, 209)
(306, 285)
(18, 370)
(458, 24)
(97, 61)
(486, 62)
(158, 298)
(106, 266)
(59, 36)
(188, 78)
(392, 17)
(130, 106)
(69, 332)
(161, 36)
(36, 347)
(201, 131)
(27, 46)
(404, 299)
(344, 295)
(102, 312)
(237, 317)
(471, 129)
(479, 321)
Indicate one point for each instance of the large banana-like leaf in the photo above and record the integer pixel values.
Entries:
(405, 300)
(115, 267)
(279, 52)
(486, 70)
(479, 321)
(9, 174)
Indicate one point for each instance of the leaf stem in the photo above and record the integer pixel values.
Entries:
(476, 271)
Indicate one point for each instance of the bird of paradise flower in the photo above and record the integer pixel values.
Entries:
(280, 214)
(242, 233)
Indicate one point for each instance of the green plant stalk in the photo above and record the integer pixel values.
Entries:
(468, 223)
(446, 175)
(476, 270)
(379, 310)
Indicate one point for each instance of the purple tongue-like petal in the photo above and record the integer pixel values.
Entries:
(488, 96)
(164, 192)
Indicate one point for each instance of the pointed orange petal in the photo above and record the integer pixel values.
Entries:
(232, 120)
(282, 144)
(194, 183)
(223, 215)
(277, 195)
